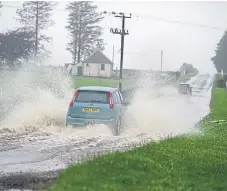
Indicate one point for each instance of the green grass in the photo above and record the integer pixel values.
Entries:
(186, 163)
(78, 81)
(91, 81)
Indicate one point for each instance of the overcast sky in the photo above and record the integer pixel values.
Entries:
(147, 36)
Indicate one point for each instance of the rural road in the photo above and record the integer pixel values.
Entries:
(38, 149)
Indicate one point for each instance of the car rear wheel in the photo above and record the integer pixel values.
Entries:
(117, 128)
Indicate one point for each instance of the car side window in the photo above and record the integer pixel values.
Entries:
(120, 97)
(116, 98)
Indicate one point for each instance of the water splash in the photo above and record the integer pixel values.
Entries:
(34, 98)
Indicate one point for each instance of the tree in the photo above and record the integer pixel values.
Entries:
(220, 58)
(15, 46)
(85, 33)
(36, 17)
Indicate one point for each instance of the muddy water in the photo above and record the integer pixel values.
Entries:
(37, 141)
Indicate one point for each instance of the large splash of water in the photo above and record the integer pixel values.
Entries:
(153, 111)
(32, 98)
(38, 100)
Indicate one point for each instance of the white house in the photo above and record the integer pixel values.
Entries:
(97, 65)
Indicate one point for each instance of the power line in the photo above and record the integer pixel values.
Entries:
(181, 22)
(153, 17)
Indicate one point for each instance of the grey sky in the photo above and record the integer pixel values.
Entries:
(147, 36)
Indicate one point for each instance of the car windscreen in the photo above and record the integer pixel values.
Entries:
(88, 96)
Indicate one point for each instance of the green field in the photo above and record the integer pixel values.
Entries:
(92, 81)
(186, 163)
(89, 81)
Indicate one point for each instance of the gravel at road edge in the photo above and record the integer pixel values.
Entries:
(29, 181)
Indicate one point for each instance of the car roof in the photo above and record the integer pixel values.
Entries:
(98, 88)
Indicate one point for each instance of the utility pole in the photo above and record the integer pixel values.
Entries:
(113, 55)
(161, 59)
(121, 32)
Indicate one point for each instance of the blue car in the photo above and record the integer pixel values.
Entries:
(96, 105)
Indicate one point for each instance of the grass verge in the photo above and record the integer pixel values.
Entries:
(186, 163)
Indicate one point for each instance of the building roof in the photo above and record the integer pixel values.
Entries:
(98, 58)
(97, 88)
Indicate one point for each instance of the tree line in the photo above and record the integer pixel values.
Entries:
(220, 58)
(29, 41)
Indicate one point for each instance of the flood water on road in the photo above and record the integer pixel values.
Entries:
(40, 147)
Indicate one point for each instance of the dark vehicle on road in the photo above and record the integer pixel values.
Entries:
(184, 88)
